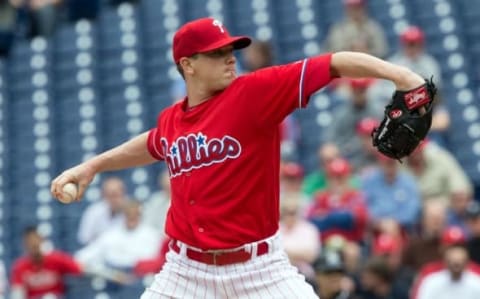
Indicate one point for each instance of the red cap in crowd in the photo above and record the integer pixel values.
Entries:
(453, 235)
(360, 83)
(354, 2)
(338, 167)
(203, 35)
(386, 244)
(366, 126)
(412, 34)
(292, 169)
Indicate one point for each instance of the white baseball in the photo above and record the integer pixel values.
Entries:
(69, 193)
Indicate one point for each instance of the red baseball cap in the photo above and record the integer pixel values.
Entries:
(338, 167)
(292, 170)
(366, 126)
(360, 83)
(386, 244)
(354, 2)
(203, 35)
(453, 235)
(412, 34)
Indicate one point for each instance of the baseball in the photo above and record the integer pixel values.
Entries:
(69, 193)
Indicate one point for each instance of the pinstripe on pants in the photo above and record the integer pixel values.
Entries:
(267, 276)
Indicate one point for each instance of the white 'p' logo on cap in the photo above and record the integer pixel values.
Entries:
(218, 24)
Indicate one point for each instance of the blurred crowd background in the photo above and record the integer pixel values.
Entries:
(80, 76)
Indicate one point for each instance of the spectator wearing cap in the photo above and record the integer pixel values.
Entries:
(345, 118)
(376, 280)
(452, 276)
(457, 209)
(390, 248)
(300, 238)
(391, 193)
(473, 223)
(317, 180)
(291, 181)
(423, 246)
(412, 54)
(339, 209)
(330, 276)
(437, 172)
(357, 32)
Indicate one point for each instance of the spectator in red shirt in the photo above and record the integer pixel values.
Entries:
(40, 273)
(340, 209)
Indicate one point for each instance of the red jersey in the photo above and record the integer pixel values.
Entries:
(345, 214)
(223, 155)
(44, 278)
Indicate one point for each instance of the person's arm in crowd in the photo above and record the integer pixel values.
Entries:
(129, 154)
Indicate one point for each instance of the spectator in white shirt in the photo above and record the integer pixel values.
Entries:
(456, 280)
(105, 213)
(300, 238)
(156, 208)
(121, 247)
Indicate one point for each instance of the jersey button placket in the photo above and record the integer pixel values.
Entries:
(201, 229)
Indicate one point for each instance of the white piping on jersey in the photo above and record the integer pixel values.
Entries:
(300, 88)
(154, 145)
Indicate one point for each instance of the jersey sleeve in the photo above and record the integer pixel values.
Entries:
(275, 92)
(154, 144)
(154, 141)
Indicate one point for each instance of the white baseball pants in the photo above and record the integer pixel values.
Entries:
(267, 276)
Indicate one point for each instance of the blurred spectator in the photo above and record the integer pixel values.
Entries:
(454, 277)
(120, 248)
(391, 193)
(257, 56)
(473, 224)
(45, 16)
(390, 248)
(8, 22)
(412, 54)
(103, 214)
(424, 247)
(345, 119)
(291, 180)
(330, 276)
(300, 238)
(368, 153)
(457, 209)
(339, 209)
(377, 279)
(156, 208)
(40, 273)
(357, 32)
(317, 180)
(437, 172)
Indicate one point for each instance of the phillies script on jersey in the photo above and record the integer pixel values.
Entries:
(195, 151)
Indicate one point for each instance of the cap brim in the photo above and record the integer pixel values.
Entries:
(238, 42)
